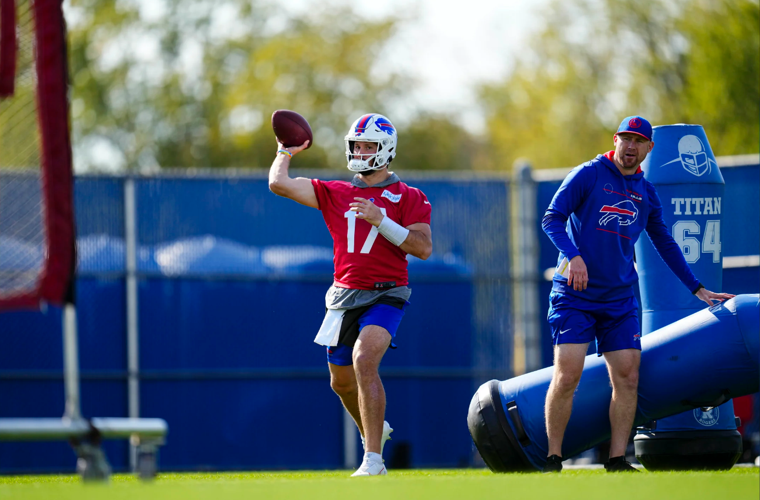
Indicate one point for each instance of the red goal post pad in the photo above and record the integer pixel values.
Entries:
(55, 279)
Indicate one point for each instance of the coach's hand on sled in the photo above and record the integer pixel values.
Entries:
(708, 297)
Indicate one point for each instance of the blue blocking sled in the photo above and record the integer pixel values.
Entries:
(695, 362)
(691, 187)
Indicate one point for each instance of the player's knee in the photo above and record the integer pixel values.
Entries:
(364, 364)
(343, 386)
(566, 382)
(629, 379)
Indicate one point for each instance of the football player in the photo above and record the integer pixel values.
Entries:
(375, 220)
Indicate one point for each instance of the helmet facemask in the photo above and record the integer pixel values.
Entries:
(363, 163)
(694, 163)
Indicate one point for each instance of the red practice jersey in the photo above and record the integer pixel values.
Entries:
(363, 257)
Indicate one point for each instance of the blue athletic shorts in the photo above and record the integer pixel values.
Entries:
(615, 324)
(385, 315)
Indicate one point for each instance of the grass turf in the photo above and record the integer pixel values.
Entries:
(736, 484)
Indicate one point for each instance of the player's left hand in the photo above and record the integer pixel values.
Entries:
(707, 296)
(365, 209)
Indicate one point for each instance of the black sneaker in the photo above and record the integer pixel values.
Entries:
(619, 464)
(553, 464)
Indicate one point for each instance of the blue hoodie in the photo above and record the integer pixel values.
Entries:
(599, 213)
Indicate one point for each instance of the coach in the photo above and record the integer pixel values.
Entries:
(594, 220)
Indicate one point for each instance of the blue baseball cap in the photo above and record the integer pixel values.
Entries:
(636, 125)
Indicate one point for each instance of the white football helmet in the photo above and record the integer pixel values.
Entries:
(371, 128)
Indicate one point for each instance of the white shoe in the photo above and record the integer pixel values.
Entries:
(387, 429)
(370, 469)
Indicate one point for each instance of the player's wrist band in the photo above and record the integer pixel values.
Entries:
(392, 231)
(696, 290)
(285, 152)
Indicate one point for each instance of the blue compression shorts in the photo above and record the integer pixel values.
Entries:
(615, 324)
(384, 315)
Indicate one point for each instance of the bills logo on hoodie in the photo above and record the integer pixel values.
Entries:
(625, 212)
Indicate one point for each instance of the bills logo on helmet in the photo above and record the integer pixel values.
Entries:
(625, 212)
(384, 125)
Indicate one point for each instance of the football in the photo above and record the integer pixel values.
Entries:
(291, 129)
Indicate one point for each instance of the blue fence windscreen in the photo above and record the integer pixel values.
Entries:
(231, 282)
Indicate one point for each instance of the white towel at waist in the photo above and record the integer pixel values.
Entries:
(330, 330)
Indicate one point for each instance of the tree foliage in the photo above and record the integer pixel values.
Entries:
(195, 83)
(435, 142)
(19, 135)
(596, 61)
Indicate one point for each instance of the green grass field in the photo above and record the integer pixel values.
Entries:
(736, 484)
